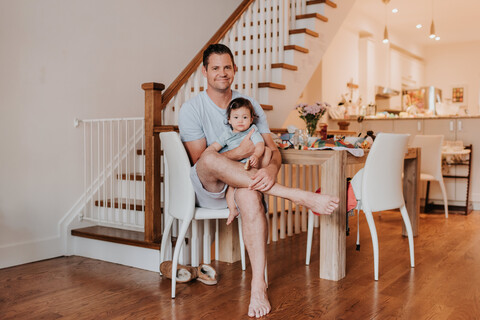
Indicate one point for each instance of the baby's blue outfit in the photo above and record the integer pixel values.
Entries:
(230, 140)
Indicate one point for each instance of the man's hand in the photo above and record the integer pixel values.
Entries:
(246, 147)
(264, 179)
(244, 150)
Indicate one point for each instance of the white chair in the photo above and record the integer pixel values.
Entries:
(431, 163)
(180, 203)
(378, 186)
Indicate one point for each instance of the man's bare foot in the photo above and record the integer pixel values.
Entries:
(259, 304)
(319, 203)
(232, 215)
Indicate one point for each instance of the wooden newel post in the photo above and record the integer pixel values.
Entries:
(153, 101)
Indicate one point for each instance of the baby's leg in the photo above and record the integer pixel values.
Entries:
(232, 207)
(267, 156)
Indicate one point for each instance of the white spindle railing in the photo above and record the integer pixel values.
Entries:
(113, 172)
(257, 39)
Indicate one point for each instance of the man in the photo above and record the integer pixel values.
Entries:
(201, 121)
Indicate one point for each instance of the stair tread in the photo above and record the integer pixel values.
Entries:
(327, 2)
(284, 66)
(312, 15)
(138, 176)
(266, 106)
(271, 85)
(129, 237)
(304, 30)
(296, 48)
(138, 205)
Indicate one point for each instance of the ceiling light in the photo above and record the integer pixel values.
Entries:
(394, 10)
(437, 38)
(432, 30)
(385, 35)
(385, 32)
(419, 26)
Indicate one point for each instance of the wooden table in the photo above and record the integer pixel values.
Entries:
(333, 181)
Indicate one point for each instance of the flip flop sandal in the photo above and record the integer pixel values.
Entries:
(184, 273)
(207, 274)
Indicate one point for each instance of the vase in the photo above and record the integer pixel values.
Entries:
(311, 127)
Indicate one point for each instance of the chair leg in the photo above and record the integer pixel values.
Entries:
(176, 253)
(408, 226)
(358, 229)
(266, 273)
(166, 237)
(309, 236)
(207, 240)
(242, 244)
(373, 232)
(445, 199)
(217, 240)
(194, 245)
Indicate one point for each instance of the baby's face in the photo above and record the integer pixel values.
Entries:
(240, 119)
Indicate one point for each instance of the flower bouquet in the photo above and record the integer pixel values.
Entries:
(311, 114)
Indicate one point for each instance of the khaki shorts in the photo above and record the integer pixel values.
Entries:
(211, 200)
(205, 198)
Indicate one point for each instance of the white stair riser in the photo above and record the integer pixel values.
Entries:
(316, 8)
(130, 189)
(132, 219)
(310, 23)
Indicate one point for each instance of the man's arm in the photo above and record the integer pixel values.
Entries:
(195, 149)
(244, 150)
(265, 178)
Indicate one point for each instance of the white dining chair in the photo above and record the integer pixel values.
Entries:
(431, 162)
(378, 187)
(180, 204)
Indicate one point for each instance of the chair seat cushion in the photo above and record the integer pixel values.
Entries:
(428, 177)
(205, 214)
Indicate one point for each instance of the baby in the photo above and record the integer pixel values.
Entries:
(240, 115)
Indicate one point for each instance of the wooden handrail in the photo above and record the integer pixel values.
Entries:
(182, 78)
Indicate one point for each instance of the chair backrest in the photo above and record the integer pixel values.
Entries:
(431, 154)
(382, 187)
(179, 193)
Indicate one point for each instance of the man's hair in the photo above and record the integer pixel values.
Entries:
(240, 103)
(216, 48)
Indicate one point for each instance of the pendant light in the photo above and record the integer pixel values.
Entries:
(432, 26)
(385, 32)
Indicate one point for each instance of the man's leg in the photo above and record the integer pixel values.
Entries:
(214, 170)
(254, 227)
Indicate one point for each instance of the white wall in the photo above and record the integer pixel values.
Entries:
(455, 65)
(62, 59)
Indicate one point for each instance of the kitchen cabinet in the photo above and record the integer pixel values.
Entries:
(412, 127)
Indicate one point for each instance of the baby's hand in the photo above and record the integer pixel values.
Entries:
(254, 161)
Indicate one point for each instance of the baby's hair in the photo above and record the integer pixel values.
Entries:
(240, 103)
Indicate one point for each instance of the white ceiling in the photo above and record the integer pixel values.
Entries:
(455, 20)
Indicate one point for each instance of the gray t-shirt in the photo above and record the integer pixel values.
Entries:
(229, 140)
(200, 118)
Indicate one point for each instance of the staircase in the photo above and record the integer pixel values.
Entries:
(277, 45)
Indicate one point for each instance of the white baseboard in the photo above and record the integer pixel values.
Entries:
(25, 252)
(137, 257)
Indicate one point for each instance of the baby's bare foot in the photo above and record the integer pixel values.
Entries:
(232, 215)
(259, 304)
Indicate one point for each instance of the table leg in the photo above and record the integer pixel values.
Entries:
(332, 227)
(411, 185)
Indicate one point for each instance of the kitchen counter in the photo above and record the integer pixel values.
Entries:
(354, 118)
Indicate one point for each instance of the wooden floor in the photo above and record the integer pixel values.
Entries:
(445, 284)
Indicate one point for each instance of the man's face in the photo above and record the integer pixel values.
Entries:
(219, 72)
